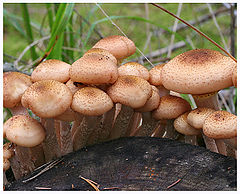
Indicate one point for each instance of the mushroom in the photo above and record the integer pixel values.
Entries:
(200, 72)
(14, 85)
(51, 69)
(26, 133)
(48, 99)
(93, 103)
(234, 76)
(148, 123)
(221, 125)
(8, 153)
(6, 166)
(170, 107)
(120, 46)
(132, 92)
(181, 126)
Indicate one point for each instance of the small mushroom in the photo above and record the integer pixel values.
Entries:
(27, 134)
(170, 107)
(181, 125)
(132, 92)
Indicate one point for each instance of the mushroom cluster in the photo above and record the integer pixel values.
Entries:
(97, 99)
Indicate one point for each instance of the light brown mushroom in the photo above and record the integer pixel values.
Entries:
(27, 134)
(234, 76)
(95, 69)
(200, 72)
(92, 103)
(170, 107)
(6, 166)
(51, 69)
(132, 92)
(120, 46)
(181, 126)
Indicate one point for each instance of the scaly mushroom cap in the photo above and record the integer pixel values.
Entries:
(197, 116)
(102, 52)
(170, 107)
(120, 46)
(24, 131)
(155, 77)
(234, 76)
(47, 98)
(133, 68)
(91, 101)
(198, 71)
(181, 125)
(152, 103)
(51, 69)
(8, 150)
(130, 90)
(94, 69)
(14, 85)
(220, 125)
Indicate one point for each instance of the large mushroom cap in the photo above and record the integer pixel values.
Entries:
(51, 69)
(120, 46)
(133, 68)
(170, 107)
(130, 90)
(14, 85)
(47, 98)
(24, 131)
(91, 101)
(198, 71)
(234, 76)
(220, 125)
(94, 68)
(197, 116)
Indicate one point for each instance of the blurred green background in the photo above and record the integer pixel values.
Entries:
(30, 31)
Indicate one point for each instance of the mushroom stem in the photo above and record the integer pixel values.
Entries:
(50, 144)
(191, 139)
(210, 101)
(160, 129)
(222, 149)
(66, 143)
(135, 124)
(122, 122)
(170, 132)
(5, 181)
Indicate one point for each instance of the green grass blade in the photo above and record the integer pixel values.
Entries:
(56, 52)
(62, 18)
(71, 38)
(178, 36)
(28, 29)
(50, 15)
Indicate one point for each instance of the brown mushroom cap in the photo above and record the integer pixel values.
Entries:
(91, 101)
(220, 125)
(14, 85)
(155, 77)
(130, 90)
(234, 76)
(6, 164)
(133, 68)
(8, 150)
(24, 131)
(198, 71)
(51, 69)
(181, 125)
(94, 69)
(152, 103)
(47, 98)
(120, 46)
(170, 107)
(102, 52)
(197, 116)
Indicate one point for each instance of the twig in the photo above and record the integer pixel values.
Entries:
(201, 33)
(176, 182)
(27, 48)
(224, 101)
(90, 183)
(14, 58)
(51, 165)
(43, 188)
(149, 34)
(123, 33)
(174, 30)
